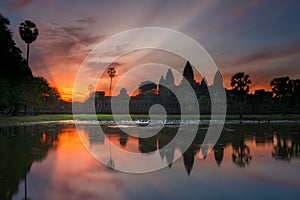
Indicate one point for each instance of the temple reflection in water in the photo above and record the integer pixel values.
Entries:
(23, 146)
(236, 142)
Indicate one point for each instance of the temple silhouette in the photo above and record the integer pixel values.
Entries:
(150, 93)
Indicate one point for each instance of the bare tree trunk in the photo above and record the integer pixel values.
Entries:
(110, 87)
(27, 57)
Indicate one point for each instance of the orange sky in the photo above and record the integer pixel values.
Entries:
(260, 38)
(65, 88)
(137, 65)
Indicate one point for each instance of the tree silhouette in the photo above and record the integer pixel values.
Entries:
(281, 86)
(147, 88)
(28, 33)
(240, 84)
(296, 94)
(241, 154)
(18, 87)
(296, 87)
(111, 73)
(17, 155)
(14, 72)
(283, 89)
(43, 93)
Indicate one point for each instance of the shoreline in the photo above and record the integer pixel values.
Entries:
(172, 120)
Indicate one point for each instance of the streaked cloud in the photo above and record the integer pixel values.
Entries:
(270, 53)
(259, 37)
(18, 4)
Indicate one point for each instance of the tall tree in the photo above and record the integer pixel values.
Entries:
(111, 73)
(287, 93)
(43, 94)
(296, 94)
(12, 65)
(240, 84)
(281, 86)
(28, 32)
(13, 71)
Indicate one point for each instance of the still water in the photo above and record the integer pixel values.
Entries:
(259, 161)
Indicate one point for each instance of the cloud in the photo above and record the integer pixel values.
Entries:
(67, 39)
(112, 51)
(86, 20)
(21, 3)
(59, 51)
(67, 44)
(270, 53)
(266, 64)
(236, 33)
(92, 68)
(17, 5)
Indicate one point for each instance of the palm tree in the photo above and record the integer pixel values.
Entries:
(28, 33)
(111, 73)
(240, 84)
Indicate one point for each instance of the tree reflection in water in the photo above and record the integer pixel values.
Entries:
(19, 148)
(236, 138)
(111, 163)
(281, 149)
(286, 147)
(240, 151)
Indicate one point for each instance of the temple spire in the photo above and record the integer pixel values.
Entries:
(170, 78)
(188, 73)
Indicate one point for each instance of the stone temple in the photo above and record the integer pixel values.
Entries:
(150, 93)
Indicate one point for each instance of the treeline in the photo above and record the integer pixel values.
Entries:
(20, 91)
(284, 97)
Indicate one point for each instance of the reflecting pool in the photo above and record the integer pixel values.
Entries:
(254, 161)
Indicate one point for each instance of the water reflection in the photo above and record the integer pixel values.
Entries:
(240, 138)
(20, 147)
(286, 148)
(219, 153)
(241, 155)
(123, 139)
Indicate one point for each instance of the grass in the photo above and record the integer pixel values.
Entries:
(11, 120)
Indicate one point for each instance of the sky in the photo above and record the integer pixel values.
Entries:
(258, 37)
